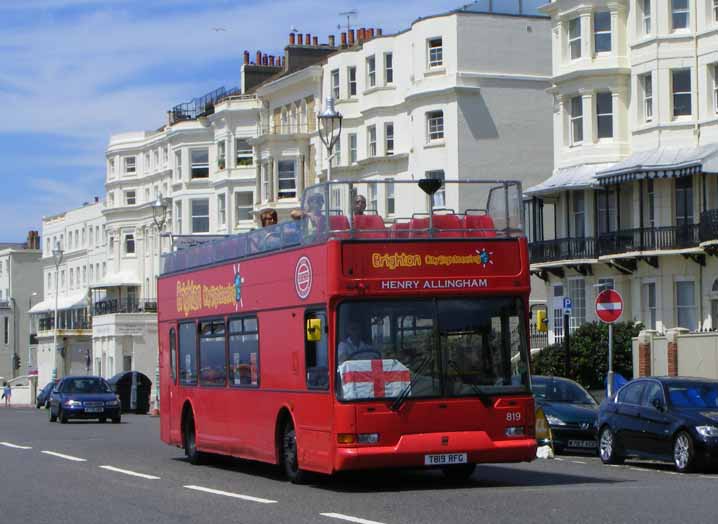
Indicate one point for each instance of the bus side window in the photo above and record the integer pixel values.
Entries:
(173, 355)
(316, 353)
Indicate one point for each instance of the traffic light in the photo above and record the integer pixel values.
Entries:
(541, 321)
(16, 361)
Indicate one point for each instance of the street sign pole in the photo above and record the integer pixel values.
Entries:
(609, 307)
(610, 360)
(566, 343)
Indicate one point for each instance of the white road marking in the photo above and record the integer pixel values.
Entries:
(232, 495)
(349, 518)
(578, 462)
(131, 473)
(559, 459)
(14, 446)
(62, 456)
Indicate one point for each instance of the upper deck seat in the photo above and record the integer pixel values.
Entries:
(400, 230)
(451, 222)
(369, 226)
(482, 225)
(338, 224)
(419, 227)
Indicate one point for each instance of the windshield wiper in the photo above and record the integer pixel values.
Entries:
(479, 392)
(405, 392)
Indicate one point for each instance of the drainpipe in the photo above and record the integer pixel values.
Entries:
(696, 118)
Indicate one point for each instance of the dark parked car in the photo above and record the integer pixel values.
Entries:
(43, 398)
(84, 397)
(133, 388)
(661, 418)
(570, 412)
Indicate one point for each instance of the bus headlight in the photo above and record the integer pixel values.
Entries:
(368, 438)
(515, 431)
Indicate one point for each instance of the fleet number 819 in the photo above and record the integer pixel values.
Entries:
(513, 416)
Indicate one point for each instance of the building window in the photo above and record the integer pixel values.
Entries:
(111, 166)
(130, 165)
(337, 153)
(221, 210)
(372, 197)
(679, 14)
(352, 148)
(243, 205)
(577, 293)
(646, 14)
(714, 68)
(390, 198)
(681, 80)
(648, 304)
(607, 217)
(188, 353)
(221, 154)
(178, 218)
(602, 32)
(647, 91)
(146, 165)
(129, 244)
(579, 214)
(371, 71)
(684, 200)
(388, 68)
(389, 138)
(212, 363)
(156, 158)
(130, 198)
(438, 198)
(165, 155)
(200, 163)
(6, 330)
(604, 115)
(574, 38)
(287, 179)
(715, 13)
(435, 52)
(686, 305)
(264, 187)
(243, 153)
(243, 352)
(335, 84)
(576, 120)
(435, 125)
(371, 141)
(200, 216)
(352, 81)
(178, 165)
(651, 203)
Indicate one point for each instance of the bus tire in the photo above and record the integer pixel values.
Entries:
(290, 455)
(458, 473)
(189, 436)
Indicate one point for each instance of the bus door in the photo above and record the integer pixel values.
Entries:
(168, 381)
(314, 418)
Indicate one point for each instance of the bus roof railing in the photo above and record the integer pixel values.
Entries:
(345, 219)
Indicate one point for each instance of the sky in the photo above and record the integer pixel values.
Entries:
(74, 72)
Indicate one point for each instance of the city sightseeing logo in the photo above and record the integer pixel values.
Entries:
(238, 281)
(485, 257)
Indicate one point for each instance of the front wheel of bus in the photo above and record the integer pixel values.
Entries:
(290, 455)
(459, 473)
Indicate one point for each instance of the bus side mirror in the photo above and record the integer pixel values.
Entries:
(314, 329)
(541, 321)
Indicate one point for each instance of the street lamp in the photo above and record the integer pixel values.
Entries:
(57, 255)
(330, 128)
(29, 330)
(159, 212)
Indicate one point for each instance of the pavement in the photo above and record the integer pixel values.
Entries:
(86, 472)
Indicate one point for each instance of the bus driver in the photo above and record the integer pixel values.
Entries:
(353, 347)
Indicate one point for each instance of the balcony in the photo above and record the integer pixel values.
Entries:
(126, 305)
(562, 249)
(201, 106)
(48, 324)
(709, 226)
(287, 128)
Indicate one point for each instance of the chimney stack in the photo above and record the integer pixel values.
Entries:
(271, 60)
(351, 37)
(332, 41)
(292, 39)
(360, 35)
(265, 60)
(379, 31)
(371, 34)
(300, 39)
(315, 41)
(344, 39)
(308, 39)
(246, 57)
(258, 58)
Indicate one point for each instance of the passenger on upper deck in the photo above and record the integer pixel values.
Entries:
(359, 204)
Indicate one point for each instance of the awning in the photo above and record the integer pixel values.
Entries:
(121, 279)
(75, 300)
(582, 176)
(664, 162)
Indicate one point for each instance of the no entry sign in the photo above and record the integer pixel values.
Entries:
(609, 306)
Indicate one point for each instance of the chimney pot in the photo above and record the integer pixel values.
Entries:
(300, 39)
(265, 60)
(379, 31)
(332, 41)
(271, 60)
(361, 34)
(308, 39)
(258, 58)
(246, 57)
(344, 39)
(292, 39)
(351, 37)
(315, 41)
(371, 34)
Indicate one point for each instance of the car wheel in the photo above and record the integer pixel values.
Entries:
(684, 454)
(61, 415)
(53, 417)
(290, 455)
(608, 447)
(194, 456)
(116, 420)
(458, 473)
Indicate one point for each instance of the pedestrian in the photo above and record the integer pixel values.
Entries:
(6, 394)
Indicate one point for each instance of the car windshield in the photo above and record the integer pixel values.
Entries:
(693, 394)
(560, 390)
(431, 348)
(86, 385)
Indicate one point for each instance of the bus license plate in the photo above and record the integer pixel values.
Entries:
(581, 443)
(94, 410)
(445, 459)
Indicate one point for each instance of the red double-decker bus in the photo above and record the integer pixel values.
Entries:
(344, 340)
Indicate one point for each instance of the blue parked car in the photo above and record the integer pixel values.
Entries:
(84, 398)
(43, 398)
(672, 419)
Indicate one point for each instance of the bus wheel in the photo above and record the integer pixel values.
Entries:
(458, 473)
(194, 456)
(290, 455)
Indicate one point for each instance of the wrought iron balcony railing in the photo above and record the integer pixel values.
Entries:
(132, 305)
(562, 249)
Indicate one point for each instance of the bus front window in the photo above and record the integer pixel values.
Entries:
(431, 348)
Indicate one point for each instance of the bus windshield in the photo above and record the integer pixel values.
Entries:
(449, 347)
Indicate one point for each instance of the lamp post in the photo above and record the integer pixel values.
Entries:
(29, 330)
(159, 217)
(57, 255)
(330, 129)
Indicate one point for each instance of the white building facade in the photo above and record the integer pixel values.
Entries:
(634, 195)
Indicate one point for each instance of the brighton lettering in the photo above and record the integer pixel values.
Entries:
(379, 260)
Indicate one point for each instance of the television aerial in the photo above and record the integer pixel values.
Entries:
(348, 15)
